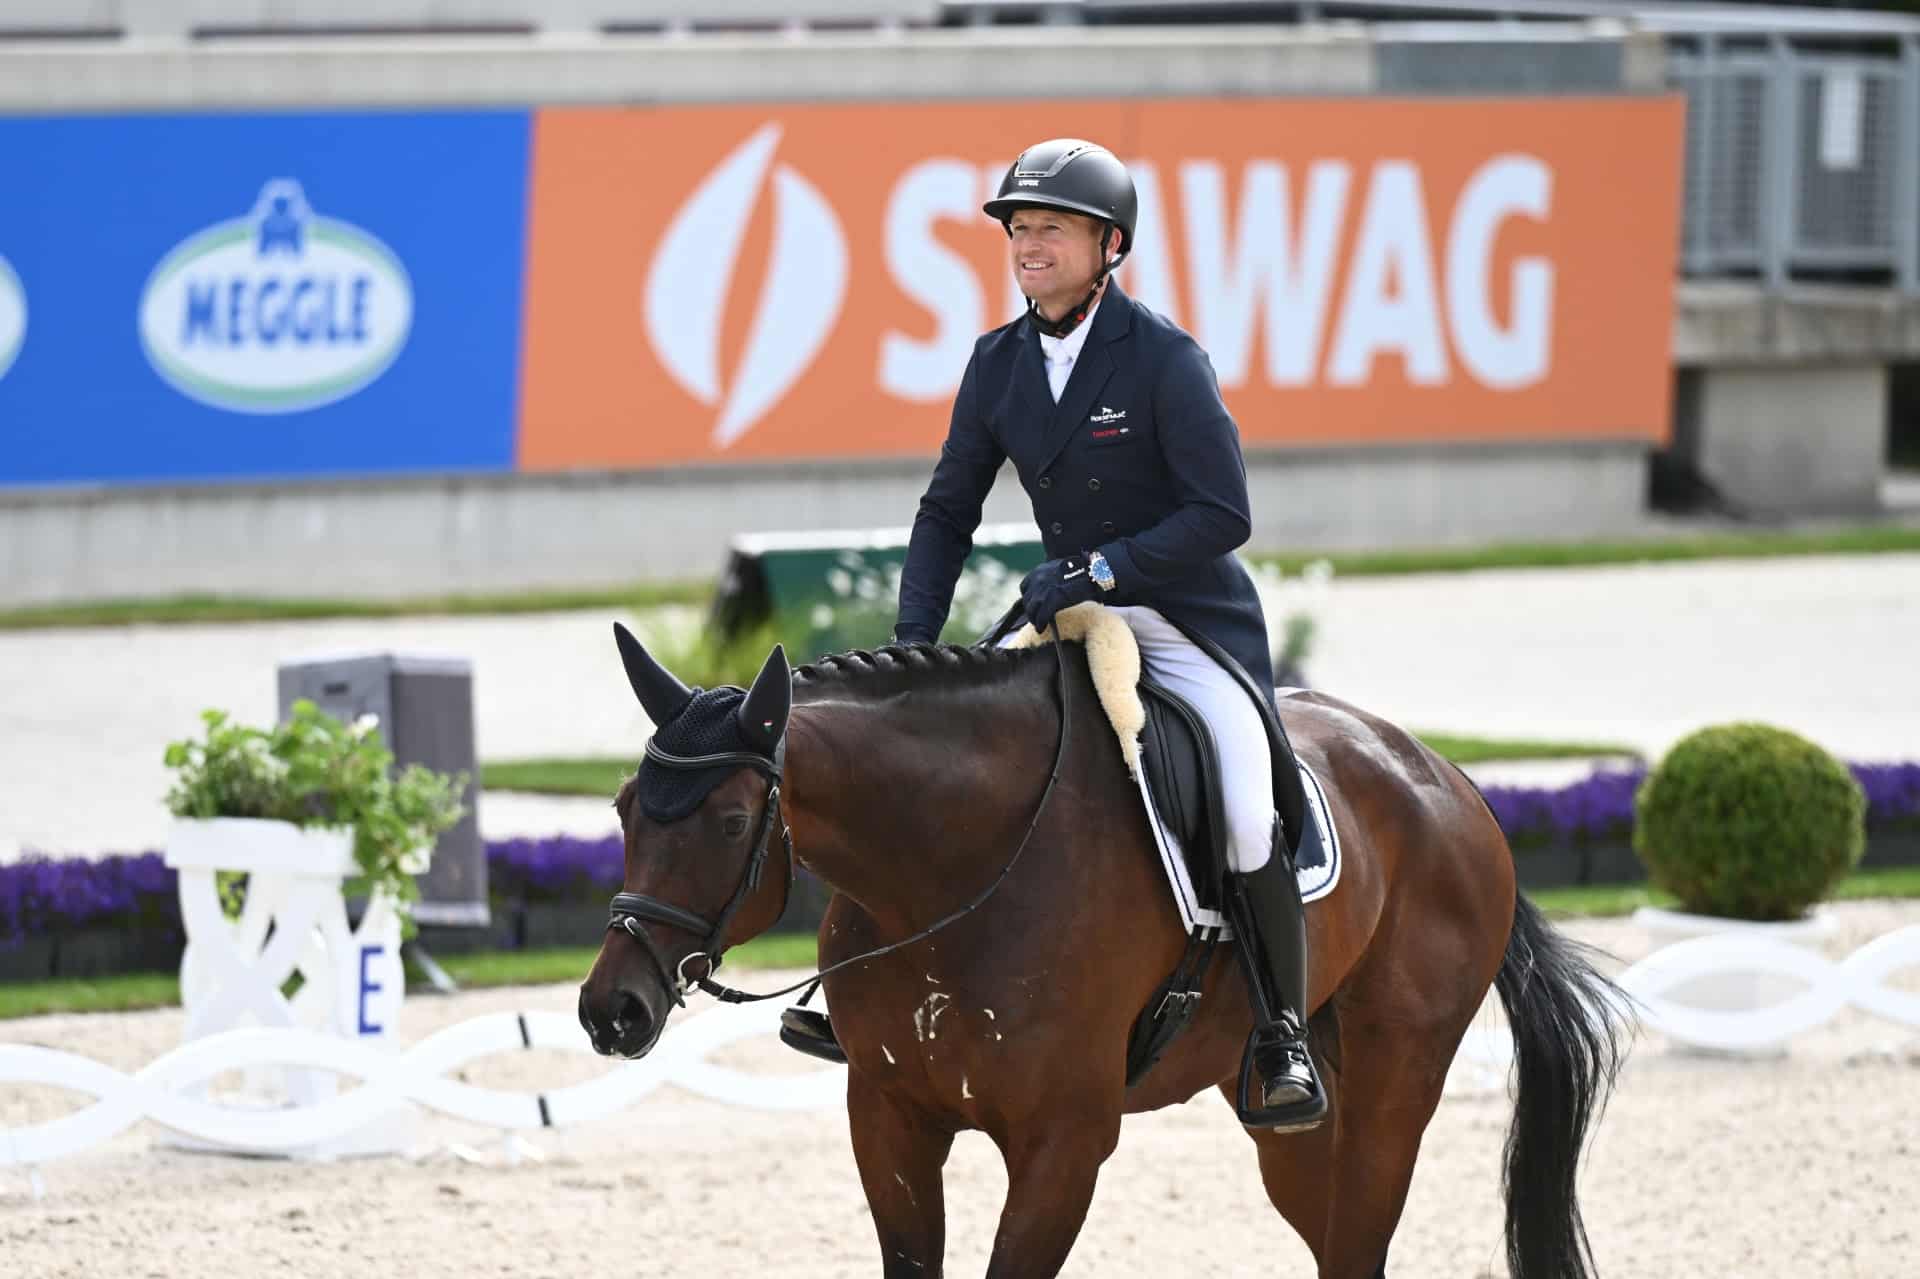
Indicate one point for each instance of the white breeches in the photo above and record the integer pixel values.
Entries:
(1171, 659)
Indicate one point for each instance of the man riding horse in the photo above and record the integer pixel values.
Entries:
(1113, 418)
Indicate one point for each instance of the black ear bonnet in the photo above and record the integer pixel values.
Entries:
(710, 725)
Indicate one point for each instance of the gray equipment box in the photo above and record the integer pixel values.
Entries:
(425, 709)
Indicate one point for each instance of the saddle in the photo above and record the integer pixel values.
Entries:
(1184, 777)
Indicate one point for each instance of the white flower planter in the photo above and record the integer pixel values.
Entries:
(1736, 988)
(241, 973)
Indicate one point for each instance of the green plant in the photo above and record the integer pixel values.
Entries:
(314, 770)
(1750, 822)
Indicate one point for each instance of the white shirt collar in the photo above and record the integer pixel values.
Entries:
(1060, 353)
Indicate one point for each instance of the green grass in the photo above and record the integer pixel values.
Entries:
(1854, 541)
(782, 951)
(128, 991)
(1481, 750)
(217, 608)
(1602, 901)
(599, 777)
(120, 993)
(241, 608)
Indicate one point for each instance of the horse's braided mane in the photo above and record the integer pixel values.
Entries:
(885, 670)
(923, 666)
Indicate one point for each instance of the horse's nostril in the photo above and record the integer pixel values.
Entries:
(632, 1023)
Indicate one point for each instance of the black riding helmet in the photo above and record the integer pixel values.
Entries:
(1080, 177)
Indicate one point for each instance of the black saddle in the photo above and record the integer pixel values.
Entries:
(1183, 773)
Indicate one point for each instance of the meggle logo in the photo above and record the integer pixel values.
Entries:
(278, 311)
(13, 316)
(690, 282)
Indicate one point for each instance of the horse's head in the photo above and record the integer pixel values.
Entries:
(704, 831)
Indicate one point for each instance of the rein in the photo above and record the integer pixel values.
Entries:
(627, 910)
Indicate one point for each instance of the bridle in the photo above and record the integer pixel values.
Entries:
(628, 910)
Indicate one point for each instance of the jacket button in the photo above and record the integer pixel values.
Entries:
(1046, 481)
(1094, 485)
(1057, 527)
(1106, 526)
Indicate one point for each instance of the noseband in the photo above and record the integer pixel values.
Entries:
(629, 909)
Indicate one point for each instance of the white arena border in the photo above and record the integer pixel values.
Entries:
(1832, 986)
(390, 1081)
(162, 1091)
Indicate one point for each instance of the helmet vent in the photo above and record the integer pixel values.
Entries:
(1059, 162)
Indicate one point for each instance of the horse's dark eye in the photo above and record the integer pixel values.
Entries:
(736, 825)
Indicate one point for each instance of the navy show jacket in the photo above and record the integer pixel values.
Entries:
(1140, 460)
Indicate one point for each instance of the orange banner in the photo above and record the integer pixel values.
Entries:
(754, 282)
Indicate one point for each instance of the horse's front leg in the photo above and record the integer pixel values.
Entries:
(901, 1152)
(1051, 1171)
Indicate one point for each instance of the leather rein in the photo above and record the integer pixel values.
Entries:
(628, 911)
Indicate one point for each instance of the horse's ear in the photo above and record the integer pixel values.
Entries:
(661, 694)
(763, 715)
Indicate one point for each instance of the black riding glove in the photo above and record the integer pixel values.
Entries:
(1055, 585)
(913, 633)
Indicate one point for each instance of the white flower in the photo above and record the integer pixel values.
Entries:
(840, 582)
(822, 617)
(367, 722)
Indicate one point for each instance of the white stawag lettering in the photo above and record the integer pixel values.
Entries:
(1267, 268)
(688, 285)
(1393, 247)
(1263, 253)
(13, 316)
(1517, 356)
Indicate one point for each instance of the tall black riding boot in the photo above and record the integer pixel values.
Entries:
(1279, 1088)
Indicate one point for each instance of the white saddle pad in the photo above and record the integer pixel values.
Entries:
(1113, 657)
(1315, 881)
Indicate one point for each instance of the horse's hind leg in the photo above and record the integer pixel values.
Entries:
(901, 1156)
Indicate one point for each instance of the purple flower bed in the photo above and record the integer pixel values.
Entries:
(1599, 808)
(40, 894)
(1592, 810)
(1893, 794)
(558, 868)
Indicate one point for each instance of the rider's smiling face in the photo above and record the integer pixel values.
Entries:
(1055, 256)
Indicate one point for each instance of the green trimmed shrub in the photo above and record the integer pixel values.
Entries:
(1748, 821)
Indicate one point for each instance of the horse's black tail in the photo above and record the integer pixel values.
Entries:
(1569, 1039)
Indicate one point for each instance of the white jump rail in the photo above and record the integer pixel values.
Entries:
(164, 1091)
(1830, 988)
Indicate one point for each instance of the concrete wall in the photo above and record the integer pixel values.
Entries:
(1783, 403)
(493, 533)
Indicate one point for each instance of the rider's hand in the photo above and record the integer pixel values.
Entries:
(913, 633)
(1055, 585)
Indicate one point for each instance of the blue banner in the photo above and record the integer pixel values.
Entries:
(189, 298)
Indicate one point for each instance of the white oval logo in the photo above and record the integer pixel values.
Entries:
(692, 274)
(277, 311)
(13, 316)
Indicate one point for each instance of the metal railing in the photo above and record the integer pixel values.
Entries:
(1800, 163)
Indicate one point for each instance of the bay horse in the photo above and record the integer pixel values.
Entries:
(910, 775)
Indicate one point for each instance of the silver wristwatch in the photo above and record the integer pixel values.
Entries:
(1100, 571)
